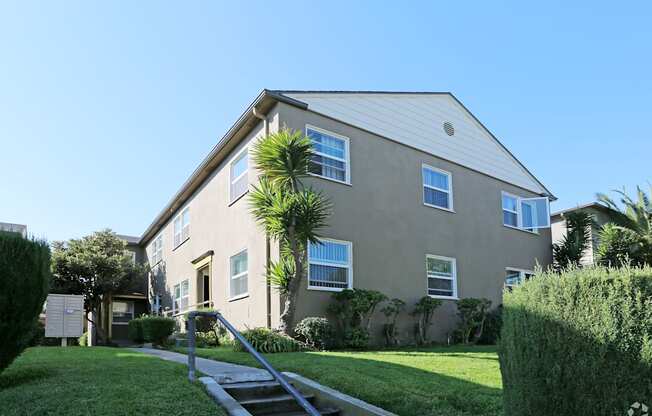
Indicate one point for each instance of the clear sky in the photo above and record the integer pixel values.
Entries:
(107, 107)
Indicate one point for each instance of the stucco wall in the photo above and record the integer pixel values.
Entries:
(383, 215)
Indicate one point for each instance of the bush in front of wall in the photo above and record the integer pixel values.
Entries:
(315, 332)
(83, 340)
(266, 340)
(473, 314)
(354, 310)
(391, 311)
(135, 330)
(578, 343)
(492, 327)
(157, 329)
(423, 313)
(211, 330)
(24, 282)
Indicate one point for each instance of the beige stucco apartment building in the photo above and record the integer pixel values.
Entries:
(426, 202)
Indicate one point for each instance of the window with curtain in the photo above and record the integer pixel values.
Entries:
(329, 265)
(239, 270)
(330, 155)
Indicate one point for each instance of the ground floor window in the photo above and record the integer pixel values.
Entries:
(239, 270)
(441, 273)
(123, 312)
(181, 296)
(330, 265)
(514, 277)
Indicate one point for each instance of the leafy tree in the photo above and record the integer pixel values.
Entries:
(96, 266)
(423, 311)
(391, 311)
(635, 220)
(472, 313)
(24, 281)
(569, 252)
(289, 212)
(618, 247)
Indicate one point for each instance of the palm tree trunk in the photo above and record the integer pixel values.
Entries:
(287, 318)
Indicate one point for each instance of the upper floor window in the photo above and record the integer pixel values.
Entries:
(442, 276)
(437, 188)
(239, 272)
(330, 157)
(330, 265)
(181, 296)
(182, 227)
(528, 214)
(514, 277)
(157, 250)
(239, 182)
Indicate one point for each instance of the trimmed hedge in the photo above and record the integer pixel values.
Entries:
(135, 330)
(157, 329)
(24, 282)
(267, 341)
(579, 343)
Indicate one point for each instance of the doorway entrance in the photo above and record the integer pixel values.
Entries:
(204, 287)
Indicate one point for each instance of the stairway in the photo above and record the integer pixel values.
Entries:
(268, 398)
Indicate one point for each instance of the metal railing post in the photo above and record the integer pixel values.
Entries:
(191, 346)
(305, 404)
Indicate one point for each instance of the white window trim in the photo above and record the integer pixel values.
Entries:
(174, 299)
(521, 272)
(232, 199)
(133, 312)
(231, 278)
(448, 192)
(179, 217)
(347, 153)
(349, 267)
(156, 254)
(453, 278)
(519, 216)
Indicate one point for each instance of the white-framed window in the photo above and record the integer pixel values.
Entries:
(514, 277)
(528, 214)
(330, 158)
(239, 269)
(239, 181)
(330, 265)
(182, 227)
(441, 273)
(437, 188)
(181, 291)
(156, 250)
(122, 311)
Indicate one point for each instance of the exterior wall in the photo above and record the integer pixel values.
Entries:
(227, 229)
(14, 228)
(383, 215)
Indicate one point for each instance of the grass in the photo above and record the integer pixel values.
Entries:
(451, 381)
(98, 381)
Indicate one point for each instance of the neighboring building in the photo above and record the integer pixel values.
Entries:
(14, 228)
(426, 202)
(600, 215)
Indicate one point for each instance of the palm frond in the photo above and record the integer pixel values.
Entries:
(283, 157)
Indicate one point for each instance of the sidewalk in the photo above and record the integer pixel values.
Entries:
(222, 372)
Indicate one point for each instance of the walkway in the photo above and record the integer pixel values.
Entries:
(222, 372)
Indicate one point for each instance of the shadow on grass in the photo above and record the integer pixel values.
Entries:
(415, 387)
(14, 378)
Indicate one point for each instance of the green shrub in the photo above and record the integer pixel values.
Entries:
(209, 329)
(157, 329)
(267, 341)
(354, 309)
(24, 281)
(83, 340)
(316, 332)
(391, 311)
(423, 312)
(472, 313)
(492, 326)
(578, 343)
(135, 330)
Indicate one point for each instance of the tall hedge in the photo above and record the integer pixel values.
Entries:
(24, 283)
(579, 343)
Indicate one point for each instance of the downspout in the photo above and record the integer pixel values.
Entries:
(268, 249)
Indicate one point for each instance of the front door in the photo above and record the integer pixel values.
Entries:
(204, 287)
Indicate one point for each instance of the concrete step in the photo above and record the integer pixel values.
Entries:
(254, 389)
(275, 404)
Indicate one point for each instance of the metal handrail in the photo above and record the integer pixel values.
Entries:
(278, 376)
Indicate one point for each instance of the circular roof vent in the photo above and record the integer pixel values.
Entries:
(448, 128)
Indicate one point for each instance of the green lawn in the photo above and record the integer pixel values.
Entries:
(409, 382)
(98, 381)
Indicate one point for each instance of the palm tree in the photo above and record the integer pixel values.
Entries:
(634, 219)
(569, 252)
(289, 212)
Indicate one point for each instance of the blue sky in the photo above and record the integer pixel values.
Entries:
(107, 107)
